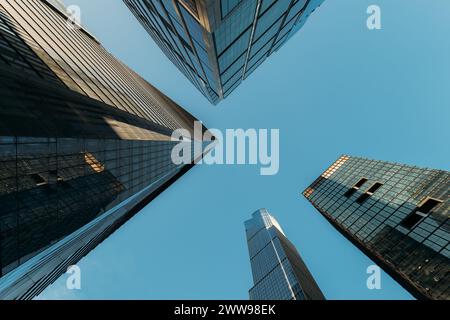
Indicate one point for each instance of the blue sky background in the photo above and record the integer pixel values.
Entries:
(335, 88)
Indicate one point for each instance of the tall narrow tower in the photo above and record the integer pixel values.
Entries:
(279, 272)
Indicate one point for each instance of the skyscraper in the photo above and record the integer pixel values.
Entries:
(279, 272)
(85, 143)
(219, 43)
(397, 214)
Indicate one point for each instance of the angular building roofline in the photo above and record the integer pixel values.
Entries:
(386, 257)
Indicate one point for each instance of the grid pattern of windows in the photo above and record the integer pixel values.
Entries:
(85, 143)
(372, 202)
(168, 24)
(274, 274)
(78, 60)
(50, 187)
(15, 52)
(233, 43)
(273, 285)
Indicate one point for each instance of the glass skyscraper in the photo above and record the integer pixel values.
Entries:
(397, 214)
(279, 272)
(219, 43)
(85, 143)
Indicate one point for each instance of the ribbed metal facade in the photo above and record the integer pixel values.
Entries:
(85, 143)
(397, 214)
(218, 43)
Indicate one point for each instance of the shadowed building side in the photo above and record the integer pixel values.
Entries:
(85, 144)
(396, 214)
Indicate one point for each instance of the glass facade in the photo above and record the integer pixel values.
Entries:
(278, 270)
(397, 214)
(216, 43)
(85, 143)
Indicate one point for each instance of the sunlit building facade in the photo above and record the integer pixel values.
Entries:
(279, 272)
(397, 214)
(85, 143)
(218, 43)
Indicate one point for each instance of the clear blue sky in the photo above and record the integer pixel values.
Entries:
(335, 88)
